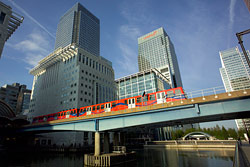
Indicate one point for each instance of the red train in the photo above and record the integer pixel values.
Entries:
(131, 102)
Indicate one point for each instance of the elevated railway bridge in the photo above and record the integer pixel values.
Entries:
(198, 107)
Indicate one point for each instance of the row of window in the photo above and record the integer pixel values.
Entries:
(94, 64)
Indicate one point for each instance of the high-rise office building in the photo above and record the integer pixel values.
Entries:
(155, 50)
(235, 74)
(235, 71)
(70, 77)
(73, 75)
(15, 96)
(79, 26)
(9, 22)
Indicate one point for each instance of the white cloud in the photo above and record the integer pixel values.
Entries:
(29, 45)
(130, 31)
(34, 48)
(35, 42)
(32, 59)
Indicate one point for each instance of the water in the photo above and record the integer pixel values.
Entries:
(145, 158)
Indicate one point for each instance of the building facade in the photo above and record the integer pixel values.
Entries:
(79, 26)
(9, 22)
(235, 71)
(148, 81)
(68, 78)
(155, 50)
(15, 96)
(235, 74)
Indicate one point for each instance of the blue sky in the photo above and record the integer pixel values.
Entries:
(198, 30)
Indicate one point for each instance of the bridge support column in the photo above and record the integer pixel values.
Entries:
(116, 139)
(106, 143)
(122, 139)
(97, 144)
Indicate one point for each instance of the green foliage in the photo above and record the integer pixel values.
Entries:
(217, 132)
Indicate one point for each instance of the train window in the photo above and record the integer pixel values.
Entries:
(152, 97)
(170, 93)
(93, 108)
(102, 106)
(84, 110)
(126, 101)
(98, 107)
(113, 104)
(145, 98)
(68, 112)
(138, 99)
(90, 108)
(133, 101)
(64, 113)
(178, 92)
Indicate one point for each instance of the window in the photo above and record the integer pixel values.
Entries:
(102, 106)
(138, 99)
(79, 57)
(170, 93)
(93, 108)
(178, 92)
(2, 17)
(113, 104)
(126, 101)
(83, 59)
(98, 107)
(152, 97)
(145, 98)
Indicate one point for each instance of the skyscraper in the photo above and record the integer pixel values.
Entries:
(9, 22)
(155, 50)
(235, 74)
(235, 71)
(74, 75)
(79, 26)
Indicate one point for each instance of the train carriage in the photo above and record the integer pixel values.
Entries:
(122, 104)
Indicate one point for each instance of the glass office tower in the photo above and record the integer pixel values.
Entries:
(155, 50)
(235, 71)
(79, 26)
(148, 81)
(235, 74)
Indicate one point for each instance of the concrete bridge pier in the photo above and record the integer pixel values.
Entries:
(106, 143)
(122, 138)
(97, 144)
(107, 159)
(116, 139)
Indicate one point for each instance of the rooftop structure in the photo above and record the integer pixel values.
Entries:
(9, 22)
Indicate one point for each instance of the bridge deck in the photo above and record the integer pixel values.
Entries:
(190, 101)
(222, 106)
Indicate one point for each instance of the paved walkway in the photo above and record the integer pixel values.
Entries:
(245, 154)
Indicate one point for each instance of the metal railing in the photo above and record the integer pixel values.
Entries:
(193, 142)
(206, 92)
(236, 162)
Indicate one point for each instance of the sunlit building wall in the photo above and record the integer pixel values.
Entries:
(235, 74)
(147, 81)
(155, 50)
